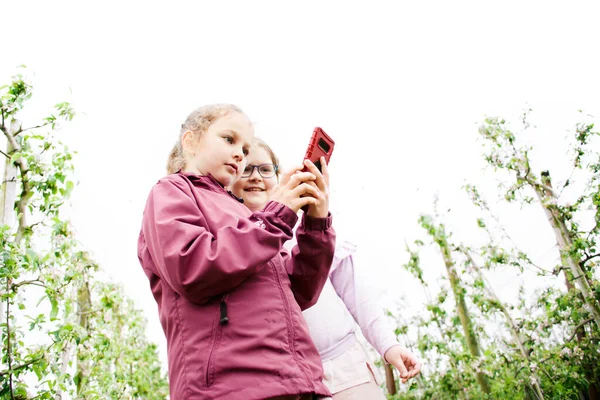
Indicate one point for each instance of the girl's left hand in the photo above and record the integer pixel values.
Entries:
(406, 362)
(321, 208)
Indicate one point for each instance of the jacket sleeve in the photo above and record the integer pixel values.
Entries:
(363, 305)
(310, 259)
(198, 263)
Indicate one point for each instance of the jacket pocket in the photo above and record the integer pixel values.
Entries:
(220, 321)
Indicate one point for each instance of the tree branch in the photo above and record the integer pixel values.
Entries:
(588, 258)
(21, 366)
(579, 326)
(5, 155)
(30, 128)
(89, 312)
(546, 188)
(567, 183)
(593, 230)
(35, 282)
(28, 363)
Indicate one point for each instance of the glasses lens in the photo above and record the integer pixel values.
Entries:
(247, 171)
(267, 170)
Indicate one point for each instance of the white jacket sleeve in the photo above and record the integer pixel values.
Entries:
(364, 305)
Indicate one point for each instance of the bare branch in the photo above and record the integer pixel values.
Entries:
(5, 155)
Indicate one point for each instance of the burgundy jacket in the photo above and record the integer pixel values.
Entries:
(229, 296)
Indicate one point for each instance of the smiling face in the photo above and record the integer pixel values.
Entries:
(255, 189)
(221, 150)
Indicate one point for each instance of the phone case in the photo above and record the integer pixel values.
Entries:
(320, 145)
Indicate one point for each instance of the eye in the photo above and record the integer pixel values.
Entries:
(248, 169)
(266, 169)
(229, 139)
(245, 150)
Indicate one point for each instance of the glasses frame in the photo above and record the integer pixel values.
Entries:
(275, 169)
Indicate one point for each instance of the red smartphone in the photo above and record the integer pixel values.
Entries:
(320, 145)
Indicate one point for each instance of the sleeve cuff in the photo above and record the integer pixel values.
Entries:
(283, 212)
(317, 224)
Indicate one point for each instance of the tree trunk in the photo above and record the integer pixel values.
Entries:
(7, 216)
(84, 307)
(536, 388)
(565, 242)
(390, 382)
(463, 314)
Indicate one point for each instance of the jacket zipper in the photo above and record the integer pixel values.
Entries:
(224, 319)
(291, 340)
(221, 320)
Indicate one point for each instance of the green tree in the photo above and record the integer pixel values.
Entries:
(545, 342)
(65, 333)
(438, 233)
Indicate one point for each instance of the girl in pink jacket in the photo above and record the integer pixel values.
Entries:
(345, 304)
(229, 297)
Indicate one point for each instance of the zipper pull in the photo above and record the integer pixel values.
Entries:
(224, 319)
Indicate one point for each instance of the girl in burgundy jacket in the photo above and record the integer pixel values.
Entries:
(229, 297)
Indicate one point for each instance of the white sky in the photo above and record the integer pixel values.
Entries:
(401, 87)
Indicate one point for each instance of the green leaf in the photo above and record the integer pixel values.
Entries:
(54, 310)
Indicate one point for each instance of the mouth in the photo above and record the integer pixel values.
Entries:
(235, 168)
(254, 189)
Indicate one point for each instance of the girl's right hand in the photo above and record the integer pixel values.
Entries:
(297, 189)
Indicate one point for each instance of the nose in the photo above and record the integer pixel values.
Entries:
(238, 154)
(255, 176)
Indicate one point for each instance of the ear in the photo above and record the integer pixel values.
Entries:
(187, 142)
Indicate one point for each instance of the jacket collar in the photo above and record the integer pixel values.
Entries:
(208, 182)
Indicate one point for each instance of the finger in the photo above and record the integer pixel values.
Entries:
(313, 184)
(285, 176)
(300, 177)
(306, 189)
(307, 201)
(319, 176)
(325, 171)
(401, 369)
(416, 369)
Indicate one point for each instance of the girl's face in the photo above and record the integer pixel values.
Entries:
(256, 189)
(221, 150)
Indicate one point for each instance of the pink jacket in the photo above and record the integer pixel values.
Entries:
(229, 297)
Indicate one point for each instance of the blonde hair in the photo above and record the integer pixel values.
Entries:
(261, 143)
(197, 122)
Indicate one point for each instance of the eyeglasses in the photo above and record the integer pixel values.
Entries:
(264, 170)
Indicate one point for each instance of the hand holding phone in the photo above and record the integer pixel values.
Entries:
(320, 208)
(319, 150)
